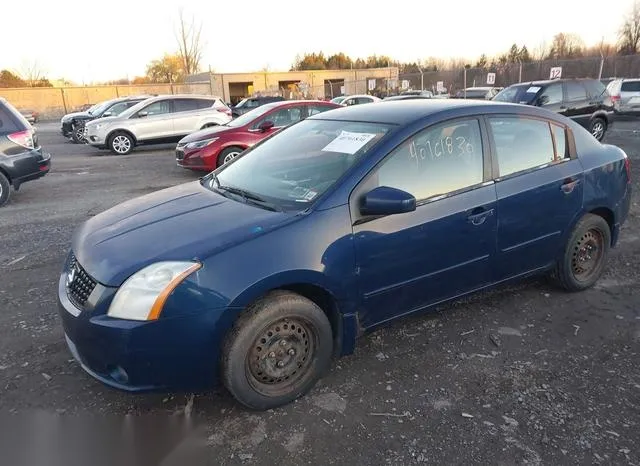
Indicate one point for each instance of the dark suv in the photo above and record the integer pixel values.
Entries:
(584, 100)
(21, 157)
(72, 124)
(248, 104)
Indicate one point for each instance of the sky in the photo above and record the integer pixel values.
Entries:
(116, 39)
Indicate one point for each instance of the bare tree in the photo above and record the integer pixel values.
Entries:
(32, 73)
(541, 51)
(629, 34)
(190, 44)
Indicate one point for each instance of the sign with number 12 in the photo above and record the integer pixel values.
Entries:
(556, 72)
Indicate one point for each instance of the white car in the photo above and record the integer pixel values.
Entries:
(165, 118)
(359, 99)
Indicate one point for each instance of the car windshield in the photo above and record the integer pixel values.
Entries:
(338, 100)
(291, 169)
(520, 94)
(242, 103)
(99, 109)
(248, 117)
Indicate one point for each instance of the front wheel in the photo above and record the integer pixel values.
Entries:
(598, 128)
(77, 133)
(121, 143)
(277, 351)
(229, 154)
(585, 254)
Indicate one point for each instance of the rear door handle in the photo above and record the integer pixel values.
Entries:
(479, 215)
(569, 185)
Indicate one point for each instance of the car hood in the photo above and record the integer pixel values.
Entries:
(206, 134)
(103, 120)
(69, 116)
(185, 222)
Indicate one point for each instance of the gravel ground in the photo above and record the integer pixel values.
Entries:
(525, 374)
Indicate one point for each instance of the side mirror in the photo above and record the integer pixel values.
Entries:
(266, 125)
(142, 114)
(387, 201)
(107, 114)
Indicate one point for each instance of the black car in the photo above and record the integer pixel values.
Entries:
(584, 100)
(248, 104)
(72, 124)
(21, 157)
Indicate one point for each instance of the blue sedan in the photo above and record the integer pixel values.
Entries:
(260, 273)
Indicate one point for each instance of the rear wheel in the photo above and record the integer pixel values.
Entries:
(598, 127)
(121, 143)
(277, 351)
(229, 154)
(5, 189)
(585, 254)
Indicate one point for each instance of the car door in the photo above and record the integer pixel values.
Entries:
(187, 113)
(444, 248)
(154, 121)
(539, 184)
(577, 105)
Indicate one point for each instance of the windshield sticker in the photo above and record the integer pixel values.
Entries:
(533, 90)
(348, 142)
(310, 195)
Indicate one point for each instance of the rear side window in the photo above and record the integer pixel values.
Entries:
(9, 121)
(630, 86)
(594, 88)
(522, 144)
(575, 91)
(186, 105)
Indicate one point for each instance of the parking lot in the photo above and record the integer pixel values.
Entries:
(522, 375)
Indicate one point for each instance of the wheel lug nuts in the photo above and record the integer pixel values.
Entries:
(283, 342)
(272, 354)
(280, 364)
(291, 352)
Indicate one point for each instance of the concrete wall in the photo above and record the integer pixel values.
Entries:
(54, 102)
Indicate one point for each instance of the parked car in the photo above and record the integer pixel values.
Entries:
(418, 92)
(584, 100)
(406, 97)
(359, 99)
(210, 148)
(248, 104)
(625, 94)
(21, 157)
(260, 272)
(165, 118)
(72, 124)
(479, 93)
(338, 100)
(30, 115)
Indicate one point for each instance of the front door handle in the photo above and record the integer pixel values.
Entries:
(569, 185)
(478, 216)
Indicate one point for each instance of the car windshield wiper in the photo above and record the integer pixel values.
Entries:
(248, 196)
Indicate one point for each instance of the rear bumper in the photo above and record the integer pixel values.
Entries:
(28, 166)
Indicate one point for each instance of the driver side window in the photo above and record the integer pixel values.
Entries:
(284, 117)
(436, 161)
(157, 108)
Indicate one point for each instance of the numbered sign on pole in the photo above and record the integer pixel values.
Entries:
(405, 84)
(556, 72)
(440, 86)
(491, 78)
(372, 84)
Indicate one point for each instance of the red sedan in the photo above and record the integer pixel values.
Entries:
(212, 147)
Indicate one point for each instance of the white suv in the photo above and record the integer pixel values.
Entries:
(165, 118)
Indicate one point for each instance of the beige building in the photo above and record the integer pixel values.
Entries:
(233, 87)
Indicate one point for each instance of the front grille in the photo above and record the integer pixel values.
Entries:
(79, 283)
(180, 151)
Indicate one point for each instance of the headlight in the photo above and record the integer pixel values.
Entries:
(143, 295)
(200, 144)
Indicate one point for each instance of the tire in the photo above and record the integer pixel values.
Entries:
(598, 128)
(120, 143)
(228, 154)
(277, 350)
(77, 133)
(589, 242)
(5, 189)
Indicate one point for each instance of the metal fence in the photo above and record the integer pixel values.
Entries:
(511, 73)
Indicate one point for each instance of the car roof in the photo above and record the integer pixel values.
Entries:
(404, 112)
(286, 103)
(183, 96)
(544, 82)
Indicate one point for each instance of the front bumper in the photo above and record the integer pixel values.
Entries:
(95, 138)
(200, 160)
(66, 128)
(179, 353)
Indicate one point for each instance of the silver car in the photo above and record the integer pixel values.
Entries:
(165, 118)
(625, 94)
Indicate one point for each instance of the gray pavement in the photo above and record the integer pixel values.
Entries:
(525, 374)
